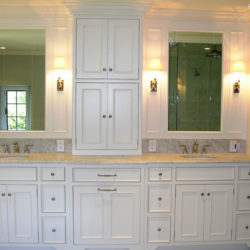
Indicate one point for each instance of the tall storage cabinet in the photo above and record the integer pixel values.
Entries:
(107, 86)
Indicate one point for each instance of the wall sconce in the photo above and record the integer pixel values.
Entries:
(238, 67)
(60, 64)
(155, 65)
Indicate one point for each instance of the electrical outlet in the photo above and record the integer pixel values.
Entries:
(60, 145)
(152, 146)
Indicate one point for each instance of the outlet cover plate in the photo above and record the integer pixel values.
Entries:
(60, 145)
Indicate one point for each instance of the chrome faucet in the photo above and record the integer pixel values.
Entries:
(195, 147)
(16, 148)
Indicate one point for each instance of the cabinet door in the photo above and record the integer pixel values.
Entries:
(125, 215)
(91, 48)
(3, 215)
(123, 116)
(189, 217)
(22, 213)
(90, 213)
(218, 212)
(123, 49)
(91, 116)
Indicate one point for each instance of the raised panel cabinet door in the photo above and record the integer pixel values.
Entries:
(3, 215)
(91, 48)
(90, 215)
(91, 116)
(125, 215)
(189, 214)
(218, 212)
(22, 213)
(123, 49)
(123, 116)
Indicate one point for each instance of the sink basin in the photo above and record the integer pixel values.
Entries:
(13, 156)
(198, 156)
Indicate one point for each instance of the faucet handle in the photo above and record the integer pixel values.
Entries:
(204, 148)
(185, 151)
(27, 148)
(6, 148)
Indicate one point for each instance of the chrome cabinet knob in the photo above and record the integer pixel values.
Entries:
(208, 194)
(110, 69)
(248, 197)
(3, 194)
(104, 69)
(202, 194)
(159, 229)
(53, 230)
(160, 174)
(52, 174)
(159, 199)
(9, 194)
(104, 116)
(53, 198)
(110, 116)
(246, 227)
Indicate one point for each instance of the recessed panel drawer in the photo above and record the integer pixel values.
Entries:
(159, 229)
(53, 198)
(244, 173)
(52, 174)
(211, 173)
(159, 174)
(243, 197)
(107, 175)
(53, 229)
(159, 198)
(243, 227)
(17, 174)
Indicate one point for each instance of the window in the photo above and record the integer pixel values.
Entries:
(16, 108)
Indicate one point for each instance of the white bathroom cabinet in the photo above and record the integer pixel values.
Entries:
(107, 49)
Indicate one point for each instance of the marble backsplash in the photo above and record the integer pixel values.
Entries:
(162, 145)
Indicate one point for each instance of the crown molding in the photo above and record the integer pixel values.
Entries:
(113, 7)
(198, 15)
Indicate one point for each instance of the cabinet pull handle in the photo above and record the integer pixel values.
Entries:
(104, 116)
(3, 194)
(53, 198)
(159, 229)
(202, 194)
(104, 69)
(160, 174)
(9, 194)
(53, 230)
(110, 69)
(246, 227)
(110, 116)
(248, 197)
(159, 199)
(107, 190)
(106, 175)
(208, 194)
(52, 174)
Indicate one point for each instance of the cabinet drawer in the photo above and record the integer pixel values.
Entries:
(159, 174)
(243, 227)
(243, 197)
(53, 198)
(244, 173)
(107, 175)
(52, 174)
(53, 229)
(159, 229)
(17, 174)
(188, 174)
(159, 198)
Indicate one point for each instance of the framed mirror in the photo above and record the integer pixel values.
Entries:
(195, 81)
(22, 79)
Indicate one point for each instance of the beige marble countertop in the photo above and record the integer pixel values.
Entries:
(141, 159)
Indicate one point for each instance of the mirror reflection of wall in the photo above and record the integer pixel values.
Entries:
(22, 79)
(195, 76)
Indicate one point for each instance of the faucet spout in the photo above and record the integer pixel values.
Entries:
(195, 147)
(16, 148)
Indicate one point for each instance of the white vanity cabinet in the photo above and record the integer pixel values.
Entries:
(107, 49)
(18, 214)
(203, 212)
(106, 116)
(107, 212)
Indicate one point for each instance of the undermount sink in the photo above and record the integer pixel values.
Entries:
(13, 156)
(198, 156)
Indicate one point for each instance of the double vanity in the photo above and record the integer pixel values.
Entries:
(135, 202)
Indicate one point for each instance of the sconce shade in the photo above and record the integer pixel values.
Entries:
(60, 63)
(238, 66)
(155, 65)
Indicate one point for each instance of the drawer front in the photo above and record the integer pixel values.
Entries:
(243, 197)
(244, 173)
(159, 229)
(243, 227)
(53, 198)
(53, 229)
(159, 174)
(190, 174)
(52, 174)
(107, 175)
(159, 198)
(17, 174)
